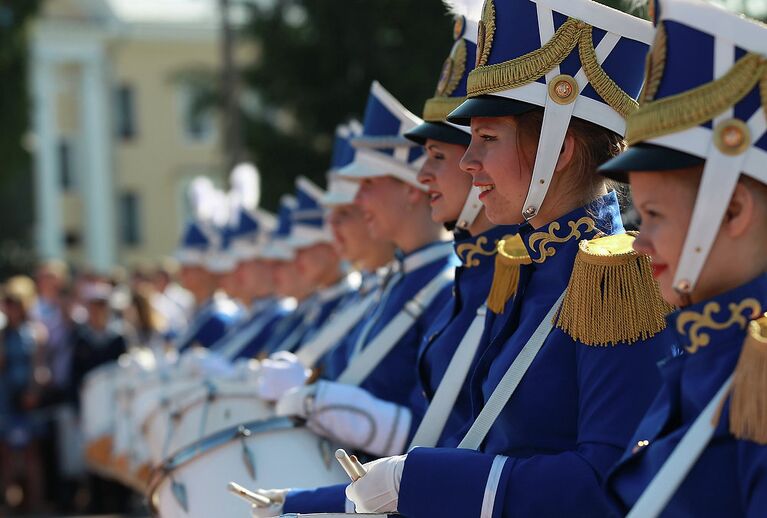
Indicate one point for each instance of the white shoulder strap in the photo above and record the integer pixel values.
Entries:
(242, 337)
(367, 360)
(334, 330)
(433, 423)
(510, 381)
(673, 472)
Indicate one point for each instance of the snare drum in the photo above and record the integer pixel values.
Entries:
(188, 416)
(272, 453)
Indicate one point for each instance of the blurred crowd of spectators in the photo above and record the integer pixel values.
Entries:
(54, 328)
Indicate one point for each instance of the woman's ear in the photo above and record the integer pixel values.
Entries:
(567, 153)
(740, 212)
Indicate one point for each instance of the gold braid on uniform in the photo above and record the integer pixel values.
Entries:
(748, 402)
(534, 65)
(612, 296)
(511, 255)
(701, 104)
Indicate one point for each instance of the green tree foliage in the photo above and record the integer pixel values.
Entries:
(317, 60)
(16, 212)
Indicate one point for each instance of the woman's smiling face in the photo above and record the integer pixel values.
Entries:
(448, 185)
(495, 163)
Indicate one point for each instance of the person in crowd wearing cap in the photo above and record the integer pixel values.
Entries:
(698, 168)
(558, 390)
(362, 406)
(22, 343)
(213, 314)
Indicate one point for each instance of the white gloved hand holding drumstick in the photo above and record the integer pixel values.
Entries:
(378, 490)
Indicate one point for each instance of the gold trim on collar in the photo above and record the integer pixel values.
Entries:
(540, 241)
(474, 249)
(534, 65)
(700, 322)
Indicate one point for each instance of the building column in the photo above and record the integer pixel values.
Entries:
(98, 185)
(50, 241)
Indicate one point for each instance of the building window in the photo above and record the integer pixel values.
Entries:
(197, 121)
(126, 112)
(130, 219)
(66, 165)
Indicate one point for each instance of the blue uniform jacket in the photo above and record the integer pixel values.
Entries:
(210, 323)
(258, 326)
(308, 317)
(568, 420)
(730, 477)
(400, 360)
(472, 284)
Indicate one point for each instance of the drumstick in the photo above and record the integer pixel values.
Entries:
(253, 498)
(349, 467)
(361, 471)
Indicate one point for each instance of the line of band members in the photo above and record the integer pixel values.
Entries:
(629, 338)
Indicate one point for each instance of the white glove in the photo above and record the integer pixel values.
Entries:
(297, 402)
(277, 496)
(378, 490)
(279, 373)
(351, 416)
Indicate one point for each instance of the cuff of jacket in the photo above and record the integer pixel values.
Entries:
(444, 482)
(329, 499)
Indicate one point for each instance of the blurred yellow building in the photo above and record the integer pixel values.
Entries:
(117, 132)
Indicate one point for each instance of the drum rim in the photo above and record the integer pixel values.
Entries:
(199, 448)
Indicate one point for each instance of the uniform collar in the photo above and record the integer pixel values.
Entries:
(602, 216)
(421, 257)
(479, 251)
(259, 305)
(722, 319)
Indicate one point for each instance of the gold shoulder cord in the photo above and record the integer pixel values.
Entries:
(612, 296)
(534, 65)
(511, 255)
(748, 403)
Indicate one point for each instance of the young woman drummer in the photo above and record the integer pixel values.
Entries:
(559, 390)
(698, 172)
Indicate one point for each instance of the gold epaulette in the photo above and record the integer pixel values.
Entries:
(510, 255)
(612, 296)
(748, 403)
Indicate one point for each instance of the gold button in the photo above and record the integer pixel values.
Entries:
(563, 89)
(732, 137)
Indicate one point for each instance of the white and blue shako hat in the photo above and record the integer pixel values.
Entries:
(705, 99)
(342, 191)
(278, 248)
(451, 93)
(308, 227)
(220, 257)
(382, 149)
(250, 225)
(573, 58)
(198, 236)
(451, 86)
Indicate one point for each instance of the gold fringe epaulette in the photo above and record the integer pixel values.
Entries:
(748, 403)
(511, 254)
(612, 296)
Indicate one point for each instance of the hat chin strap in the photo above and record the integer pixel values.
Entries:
(471, 209)
(556, 120)
(720, 176)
